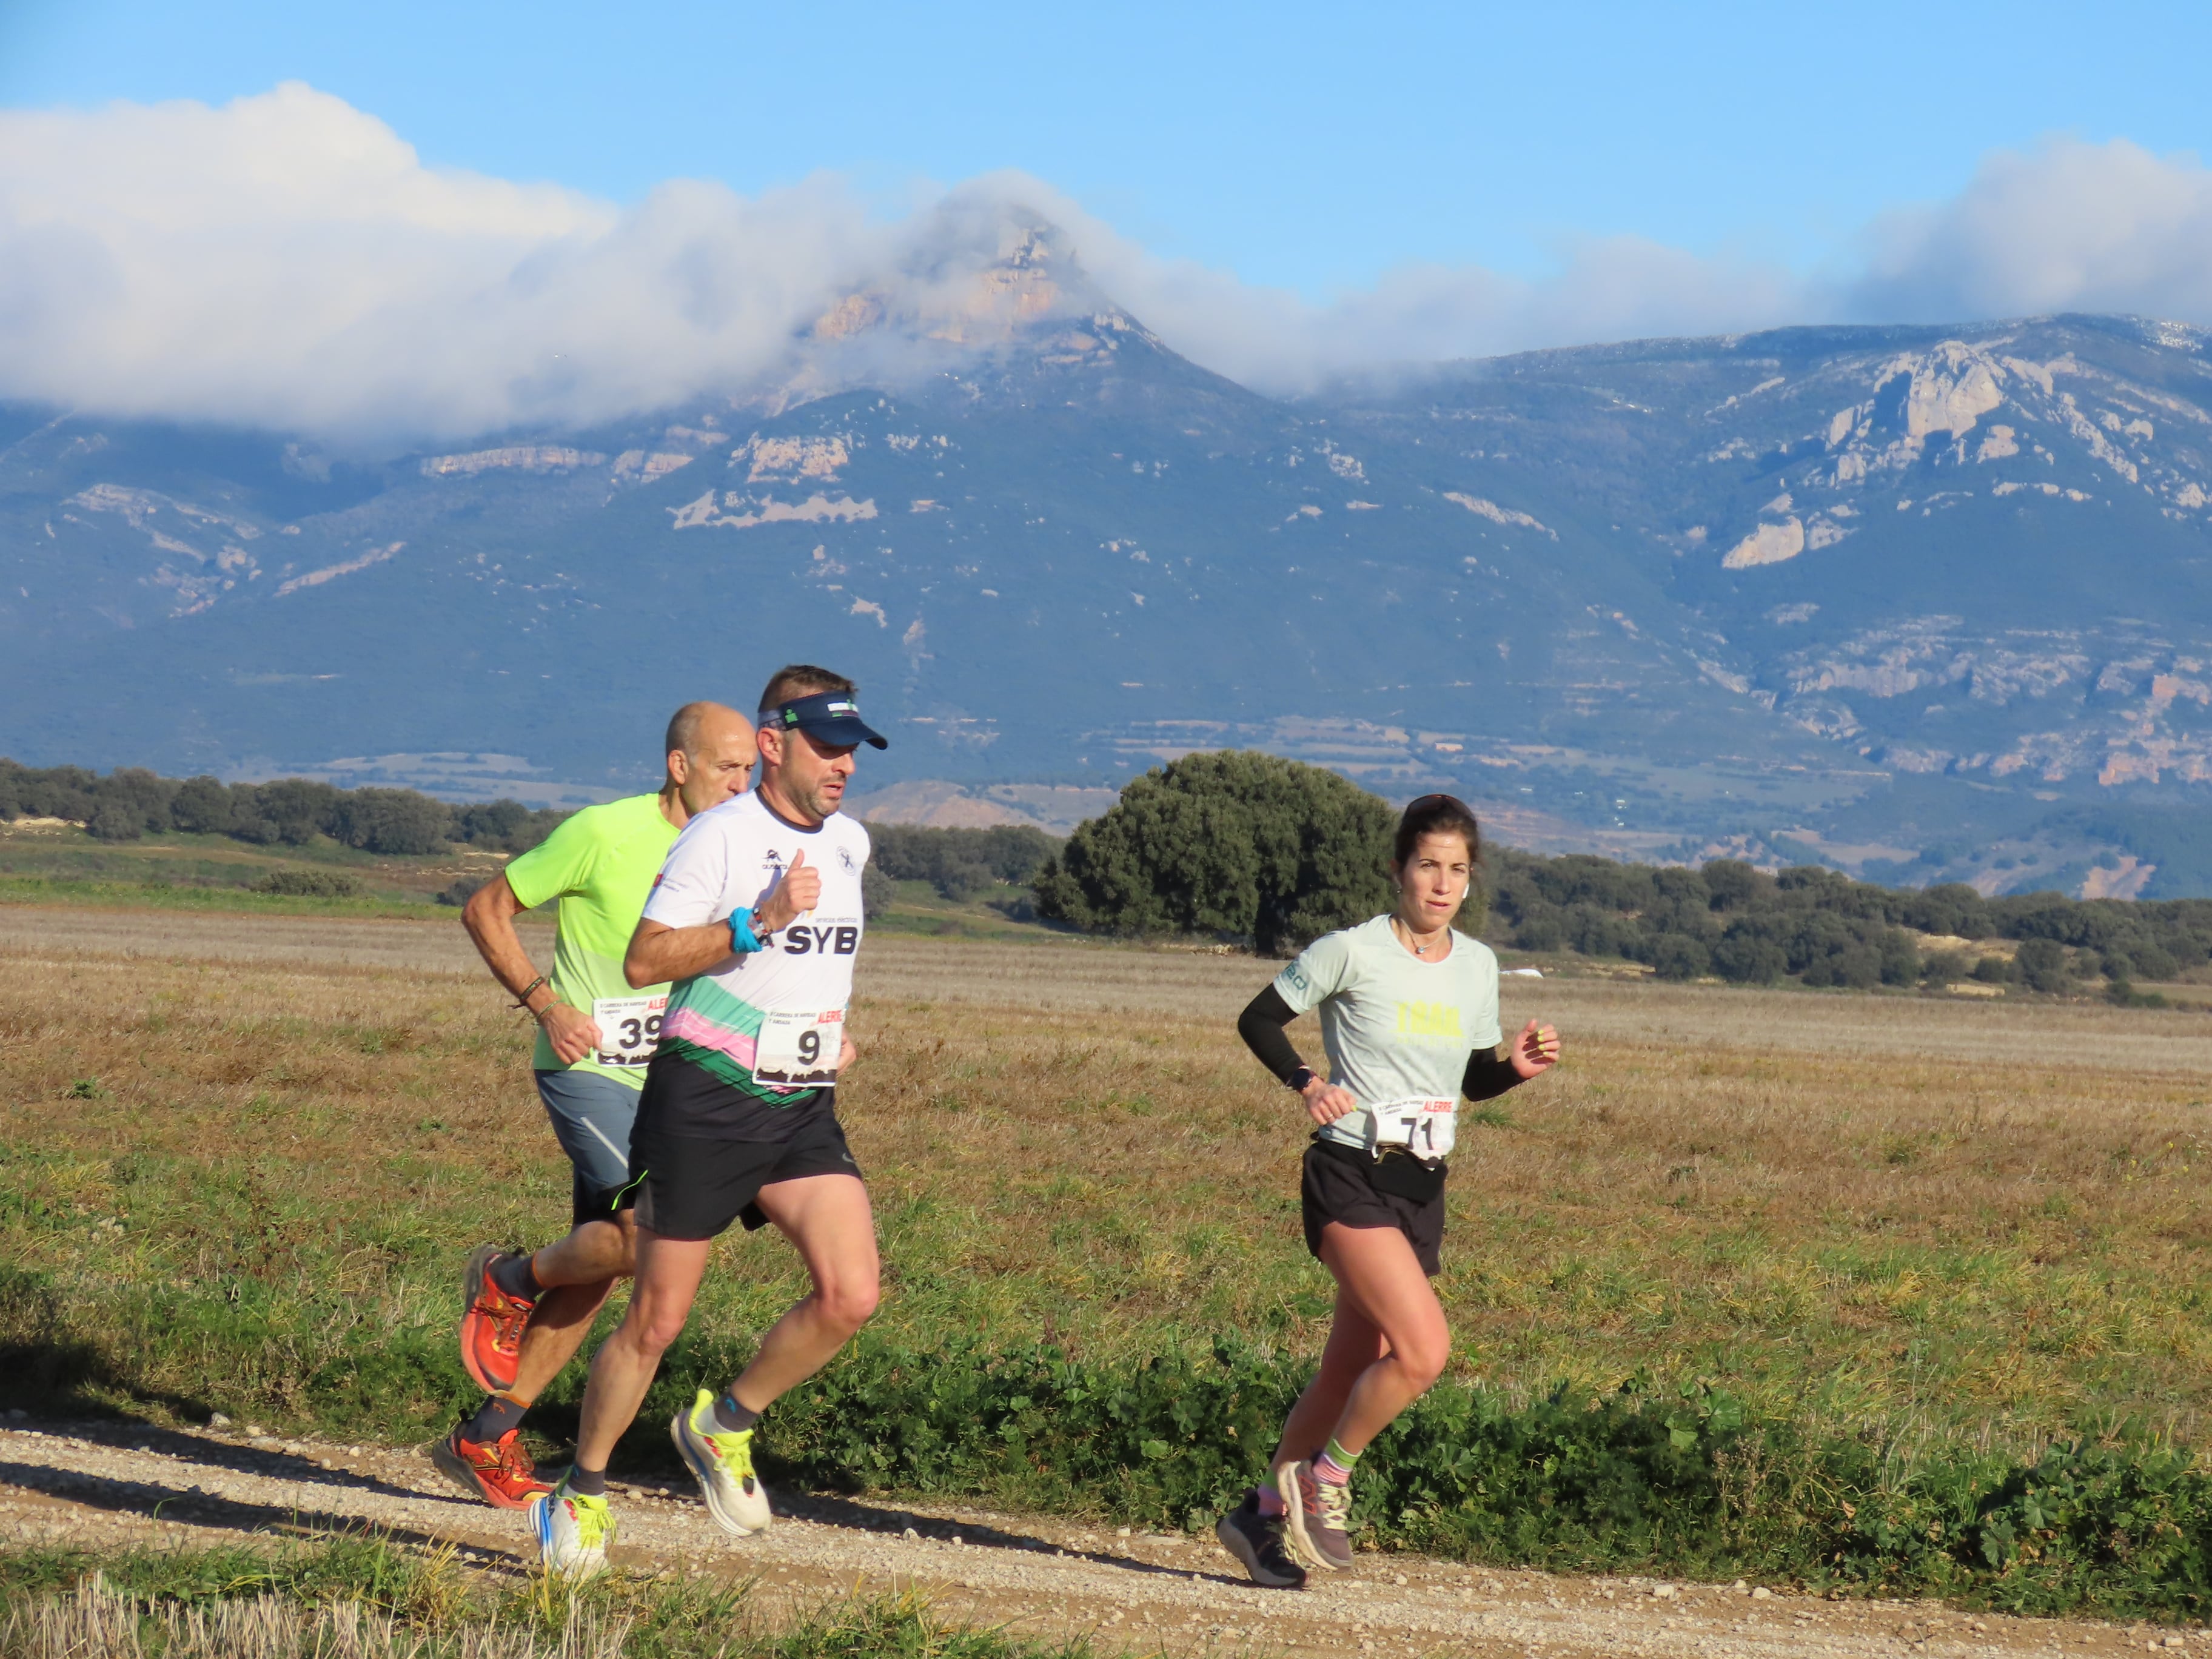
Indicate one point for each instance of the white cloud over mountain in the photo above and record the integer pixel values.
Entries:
(288, 260)
(2069, 226)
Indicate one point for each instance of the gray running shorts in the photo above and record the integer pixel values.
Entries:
(592, 1116)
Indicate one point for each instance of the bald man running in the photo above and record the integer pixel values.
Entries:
(525, 1315)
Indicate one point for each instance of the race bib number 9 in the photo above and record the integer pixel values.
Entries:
(630, 1028)
(799, 1049)
(1426, 1129)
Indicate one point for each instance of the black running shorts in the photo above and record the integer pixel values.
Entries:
(1339, 1186)
(690, 1188)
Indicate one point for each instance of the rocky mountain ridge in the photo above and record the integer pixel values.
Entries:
(1922, 603)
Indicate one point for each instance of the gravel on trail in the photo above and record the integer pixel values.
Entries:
(108, 1485)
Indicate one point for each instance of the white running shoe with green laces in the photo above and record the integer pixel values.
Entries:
(573, 1531)
(724, 1465)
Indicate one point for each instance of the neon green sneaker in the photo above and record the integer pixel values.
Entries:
(573, 1531)
(724, 1464)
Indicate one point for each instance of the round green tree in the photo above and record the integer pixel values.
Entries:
(1237, 844)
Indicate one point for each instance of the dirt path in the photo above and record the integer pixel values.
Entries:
(100, 1486)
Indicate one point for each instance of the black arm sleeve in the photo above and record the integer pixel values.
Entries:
(1261, 1024)
(1487, 1076)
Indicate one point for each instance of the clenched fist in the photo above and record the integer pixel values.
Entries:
(1327, 1101)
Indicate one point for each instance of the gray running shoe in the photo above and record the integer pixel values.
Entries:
(573, 1531)
(1256, 1539)
(1317, 1517)
(723, 1462)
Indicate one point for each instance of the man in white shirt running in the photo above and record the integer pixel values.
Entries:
(756, 918)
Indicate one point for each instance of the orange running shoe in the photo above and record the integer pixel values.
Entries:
(501, 1473)
(491, 1322)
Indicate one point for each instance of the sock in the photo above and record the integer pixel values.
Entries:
(731, 1417)
(592, 1483)
(517, 1276)
(1271, 1495)
(498, 1413)
(1335, 1464)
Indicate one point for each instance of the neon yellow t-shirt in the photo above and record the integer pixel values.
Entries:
(600, 864)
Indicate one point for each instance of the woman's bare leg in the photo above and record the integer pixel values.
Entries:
(1386, 1346)
(1354, 1344)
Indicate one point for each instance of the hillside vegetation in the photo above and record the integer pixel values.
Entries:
(1820, 928)
(1236, 847)
(1271, 853)
(131, 802)
(130, 837)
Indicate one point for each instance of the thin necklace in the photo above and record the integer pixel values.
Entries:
(1414, 940)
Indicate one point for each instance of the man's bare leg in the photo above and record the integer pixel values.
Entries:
(593, 1250)
(828, 1218)
(668, 1274)
(481, 1453)
(579, 1273)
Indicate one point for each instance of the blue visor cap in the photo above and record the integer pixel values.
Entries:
(831, 716)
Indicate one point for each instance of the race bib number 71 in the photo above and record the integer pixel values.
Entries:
(799, 1049)
(1426, 1129)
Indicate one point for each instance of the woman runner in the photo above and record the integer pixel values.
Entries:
(1409, 1017)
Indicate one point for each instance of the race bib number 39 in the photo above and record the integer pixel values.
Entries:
(1426, 1129)
(800, 1049)
(630, 1028)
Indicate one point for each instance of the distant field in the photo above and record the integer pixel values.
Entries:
(46, 863)
(242, 1156)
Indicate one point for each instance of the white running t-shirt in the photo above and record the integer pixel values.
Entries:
(1397, 1028)
(778, 1011)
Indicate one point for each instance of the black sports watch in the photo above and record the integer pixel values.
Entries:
(1300, 1079)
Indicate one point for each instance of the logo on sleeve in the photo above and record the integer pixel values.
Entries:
(844, 858)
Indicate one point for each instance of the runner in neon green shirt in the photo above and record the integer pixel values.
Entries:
(599, 864)
(525, 1315)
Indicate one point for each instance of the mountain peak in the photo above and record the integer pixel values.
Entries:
(980, 274)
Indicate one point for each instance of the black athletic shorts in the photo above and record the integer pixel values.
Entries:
(687, 1186)
(1339, 1185)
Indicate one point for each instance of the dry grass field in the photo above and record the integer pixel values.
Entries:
(242, 1156)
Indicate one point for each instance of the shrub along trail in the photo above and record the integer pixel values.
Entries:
(101, 1486)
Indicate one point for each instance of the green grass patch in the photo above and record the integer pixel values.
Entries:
(1941, 1329)
(62, 864)
(1003, 914)
(161, 895)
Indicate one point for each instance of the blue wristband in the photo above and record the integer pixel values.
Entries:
(742, 936)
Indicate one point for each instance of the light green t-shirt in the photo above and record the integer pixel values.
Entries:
(1396, 1028)
(600, 864)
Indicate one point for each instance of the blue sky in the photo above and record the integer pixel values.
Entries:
(1304, 146)
(398, 221)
